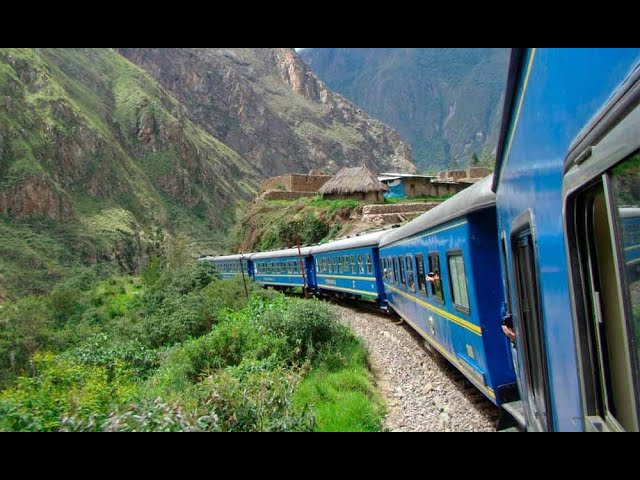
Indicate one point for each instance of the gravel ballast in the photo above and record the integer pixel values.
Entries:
(422, 391)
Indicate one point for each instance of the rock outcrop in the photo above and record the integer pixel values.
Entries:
(269, 106)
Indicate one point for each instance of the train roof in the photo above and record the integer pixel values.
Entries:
(477, 197)
(230, 258)
(290, 252)
(360, 241)
(629, 212)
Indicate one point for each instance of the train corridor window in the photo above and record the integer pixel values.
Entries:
(369, 264)
(606, 218)
(436, 286)
(403, 278)
(396, 277)
(458, 282)
(360, 265)
(411, 281)
(422, 281)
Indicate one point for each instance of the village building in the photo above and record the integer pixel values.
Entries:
(356, 184)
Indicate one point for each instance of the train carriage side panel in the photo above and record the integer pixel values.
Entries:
(450, 313)
(350, 267)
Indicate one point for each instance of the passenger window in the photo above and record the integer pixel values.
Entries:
(458, 281)
(396, 277)
(353, 264)
(422, 281)
(434, 270)
(360, 265)
(403, 278)
(411, 282)
(369, 264)
(347, 266)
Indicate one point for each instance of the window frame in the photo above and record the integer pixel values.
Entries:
(433, 295)
(589, 165)
(421, 276)
(458, 254)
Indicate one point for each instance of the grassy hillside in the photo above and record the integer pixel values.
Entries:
(98, 165)
(277, 224)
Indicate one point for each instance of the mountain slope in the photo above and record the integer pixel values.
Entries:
(266, 104)
(446, 102)
(98, 163)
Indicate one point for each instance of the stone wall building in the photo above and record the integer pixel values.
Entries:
(296, 183)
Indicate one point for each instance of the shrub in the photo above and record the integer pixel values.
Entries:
(308, 327)
(256, 398)
(103, 351)
(61, 388)
(145, 416)
(179, 318)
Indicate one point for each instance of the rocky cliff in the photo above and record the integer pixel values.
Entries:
(267, 105)
(445, 101)
(97, 160)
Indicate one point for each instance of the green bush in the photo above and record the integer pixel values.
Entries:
(308, 327)
(228, 294)
(257, 399)
(103, 351)
(179, 318)
(234, 340)
(62, 388)
(25, 328)
(145, 416)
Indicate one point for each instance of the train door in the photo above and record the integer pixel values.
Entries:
(534, 391)
(603, 209)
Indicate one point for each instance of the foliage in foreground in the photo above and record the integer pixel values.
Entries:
(180, 350)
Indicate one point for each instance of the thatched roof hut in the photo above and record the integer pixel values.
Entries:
(355, 183)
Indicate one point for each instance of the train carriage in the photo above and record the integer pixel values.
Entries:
(567, 173)
(441, 274)
(285, 269)
(350, 268)
(231, 266)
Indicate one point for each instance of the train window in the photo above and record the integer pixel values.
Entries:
(340, 265)
(396, 277)
(403, 278)
(360, 265)
(353, 264)
(347, 265)
(436, 285)
(369, 264)
(458, 282)
(411, 281)
(422, 281)
(530, 323)
(607, 222)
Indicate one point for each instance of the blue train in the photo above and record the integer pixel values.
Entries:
(546, 250)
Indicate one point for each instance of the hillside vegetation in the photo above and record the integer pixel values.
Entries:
(99, 165)
(179, 350)
(276, 224)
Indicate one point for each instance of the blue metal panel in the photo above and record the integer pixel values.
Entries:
(560, 90)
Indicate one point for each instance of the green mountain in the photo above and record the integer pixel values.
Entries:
(99, 165)
(445, 101)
